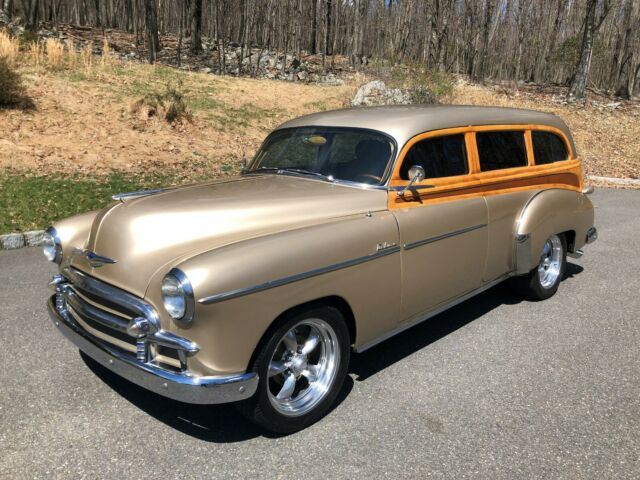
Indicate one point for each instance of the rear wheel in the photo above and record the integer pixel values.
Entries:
(301, 366)
(543, 281)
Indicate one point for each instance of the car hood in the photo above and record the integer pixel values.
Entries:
(151, 234)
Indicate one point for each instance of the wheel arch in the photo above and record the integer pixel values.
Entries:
(546, 213)
(334, 301)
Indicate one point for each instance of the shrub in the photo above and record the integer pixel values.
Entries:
(169, 104)
(12, 91)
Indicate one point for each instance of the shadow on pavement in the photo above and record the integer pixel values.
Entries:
(211, 423)
(376, 359)
(224, 424)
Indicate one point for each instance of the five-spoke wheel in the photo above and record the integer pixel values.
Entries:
(543, 281)
(301, 365)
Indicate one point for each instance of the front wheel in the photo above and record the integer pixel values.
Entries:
(543, 281)
(301, 367)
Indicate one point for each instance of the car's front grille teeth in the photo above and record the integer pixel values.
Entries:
(107, 320)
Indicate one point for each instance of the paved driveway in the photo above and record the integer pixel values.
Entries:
(494, 388)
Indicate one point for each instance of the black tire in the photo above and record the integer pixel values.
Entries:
(259, 409)
(531, 286)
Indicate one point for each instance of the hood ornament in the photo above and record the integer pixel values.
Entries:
(95, 260)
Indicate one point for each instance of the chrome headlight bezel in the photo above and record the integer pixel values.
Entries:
(52, 247)
(178, 279)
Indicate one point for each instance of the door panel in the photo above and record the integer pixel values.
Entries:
(443, 252)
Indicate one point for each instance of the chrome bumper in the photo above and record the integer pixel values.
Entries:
(185, 388)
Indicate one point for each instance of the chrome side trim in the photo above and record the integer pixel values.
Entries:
(295, 278)
(139, 193)
(185, 388)
(432, 313)
(419, 243)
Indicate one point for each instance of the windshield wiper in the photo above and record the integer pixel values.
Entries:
(298, 171)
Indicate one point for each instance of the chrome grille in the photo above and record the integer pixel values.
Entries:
(105, 312)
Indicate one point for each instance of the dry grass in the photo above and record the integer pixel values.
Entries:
(83, 124)
(35, 53)
(106, 53)
(55, 53)
(86, 54)
(72, 54)
(9, 49)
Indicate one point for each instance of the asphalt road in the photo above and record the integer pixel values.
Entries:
(494, 388)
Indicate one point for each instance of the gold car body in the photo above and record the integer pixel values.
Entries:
(256, 246)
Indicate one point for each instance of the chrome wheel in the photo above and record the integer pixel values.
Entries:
(550, 264)
(303, 367)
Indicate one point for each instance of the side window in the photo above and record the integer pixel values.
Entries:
(498, 150)
(440, 157)
(548, 147)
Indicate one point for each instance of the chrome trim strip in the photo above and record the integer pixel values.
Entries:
(115, 295)
(419, 243)
(430, 314)
(139, 193)
(294, 278)
(185, 388)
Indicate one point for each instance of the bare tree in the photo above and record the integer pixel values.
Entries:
(196, 26)
(151, 19)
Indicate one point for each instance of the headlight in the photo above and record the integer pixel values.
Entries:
(52, 247)
(177, 296)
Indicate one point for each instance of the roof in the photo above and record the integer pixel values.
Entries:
(405, 121)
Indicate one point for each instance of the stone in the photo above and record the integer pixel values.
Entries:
(11, 241)
(34, 238)
(377, 93)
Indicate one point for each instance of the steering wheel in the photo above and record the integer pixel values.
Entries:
(369, 176)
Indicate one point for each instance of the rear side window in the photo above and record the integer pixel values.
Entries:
(548, 147)
(498, 150)
(440, 157)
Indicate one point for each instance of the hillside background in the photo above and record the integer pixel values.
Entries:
(102, 96)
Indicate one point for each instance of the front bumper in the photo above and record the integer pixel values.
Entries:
(185, 388)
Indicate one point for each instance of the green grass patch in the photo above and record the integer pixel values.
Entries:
(30, 202)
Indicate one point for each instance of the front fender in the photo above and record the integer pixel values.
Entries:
(241, 288)
(547, 213)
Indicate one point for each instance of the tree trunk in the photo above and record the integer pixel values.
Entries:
(151, 18)
(486, 24)
(196, 26)
(623, 56)
(579, 82)
(314, 26)
(34, 15)
(328, 43)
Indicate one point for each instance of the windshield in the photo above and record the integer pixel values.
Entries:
(333, 153)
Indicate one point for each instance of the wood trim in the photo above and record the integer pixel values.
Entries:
(565, 174)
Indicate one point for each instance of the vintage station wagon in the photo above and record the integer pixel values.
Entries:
(347, 227)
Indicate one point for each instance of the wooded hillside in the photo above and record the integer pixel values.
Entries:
(581, 43)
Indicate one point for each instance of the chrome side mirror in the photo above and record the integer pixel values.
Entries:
(416, 175)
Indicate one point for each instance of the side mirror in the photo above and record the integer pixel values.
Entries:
(416, 175)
